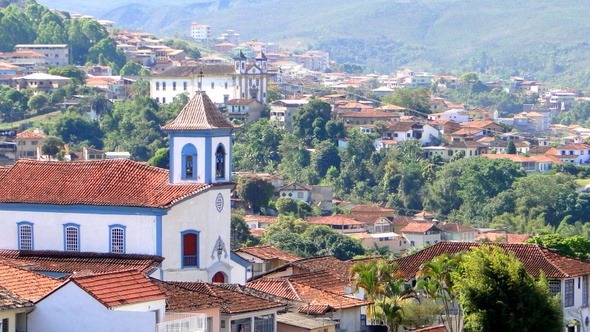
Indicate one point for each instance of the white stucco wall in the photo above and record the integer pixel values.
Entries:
(48, 230)
(217, 93)
(71, 309)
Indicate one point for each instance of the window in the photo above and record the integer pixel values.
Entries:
(157, 86)
(25, 235)
(117, 239)
(226, 85)
(173, 86)
(264, 323)
(163, 86)
(220, 162)
(257, 267)
(71, 237)
(163, 100)
(241, 325)
(184, 86)
(554, 287)
(190, 249)
(189, 162)
(4, 325)
(212, 85)
(569, 293)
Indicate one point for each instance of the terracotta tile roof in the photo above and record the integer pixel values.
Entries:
(517, 158)
(119, 288)
(478, 124)
(502, 237)
(303, 321)
(419, 227)
(71, 262)
(370, 208)
(25, 284)
(241, 101)
(315, 309)
(370, 113)
(298, 289)
(401, 221)
(237, 298)
(257, 232)
(30, 134)
(115, 182)
(267, 253)
(9, 300)
(295, 186)
(180, 299)
(199, 113)
(437, 328)
(451, 227)
(400, 126)
(571, 146)
(466, 132)
(260, 219)
(534, 258)
(464, 145)
(337, 219)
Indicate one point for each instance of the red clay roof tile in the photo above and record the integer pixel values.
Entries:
(71, 262)
(180, 299)
(9, 300)
(199, 113)
(25, 284)
(119, 288)
(534, 258)
(115, 182)
(268, 252)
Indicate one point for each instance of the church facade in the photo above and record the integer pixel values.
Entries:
(126, 207)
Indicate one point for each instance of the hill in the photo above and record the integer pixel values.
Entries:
(498, 37)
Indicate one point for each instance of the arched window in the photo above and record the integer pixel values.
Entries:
(25, 235)
(190, 249)
(220, 162)
(189, 162)
(71, 237)
(117, 239)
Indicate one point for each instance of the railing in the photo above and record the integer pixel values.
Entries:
(188, 323)
(188, 261)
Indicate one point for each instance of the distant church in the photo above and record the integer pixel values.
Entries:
(125, 207)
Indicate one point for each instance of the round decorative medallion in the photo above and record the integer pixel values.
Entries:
(219, 202)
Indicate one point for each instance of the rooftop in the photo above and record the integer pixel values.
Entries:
(303, 321)
(119, 288)
(267, 253)
(115, 182)
(25, 284)
(535, 259)
(419, 227)
(198, 114)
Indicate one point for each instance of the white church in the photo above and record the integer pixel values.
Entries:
(125, 207)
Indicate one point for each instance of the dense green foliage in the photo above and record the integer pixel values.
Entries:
(510, 301)
(255, 191)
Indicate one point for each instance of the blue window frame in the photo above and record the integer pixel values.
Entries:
(117, 239)
(220, 162)
(189, 162)
(71, 237)
(190, 248)
(25, 235)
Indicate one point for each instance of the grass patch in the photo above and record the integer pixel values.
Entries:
(48, 117)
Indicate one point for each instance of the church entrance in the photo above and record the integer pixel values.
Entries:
(218, 277)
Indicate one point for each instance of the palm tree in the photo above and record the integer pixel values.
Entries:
(438, 284)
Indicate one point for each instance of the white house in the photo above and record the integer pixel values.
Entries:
(119, 301)
(454, 114)
(55, 54)
(296, 191)
(122, 206)
(282, 111)
(421, 233)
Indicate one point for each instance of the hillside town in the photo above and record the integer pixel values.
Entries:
(227, 184)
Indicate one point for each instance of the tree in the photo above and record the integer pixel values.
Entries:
(161, 158)
(37, 102)
(324, 156)
(240, 233)
(510, 301)
(255, 191)
(75, 129)
(107, 47)
(575, 246)
(411, 98)
(256, 147)
(51, 146)
(310, 121)
(77, 75)
(286, 205)
(131, 68)
(511, 148)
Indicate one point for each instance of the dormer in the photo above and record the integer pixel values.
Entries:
(200, 142)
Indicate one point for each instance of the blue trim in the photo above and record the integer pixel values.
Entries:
(182, 234)
(236, 258)
(85, 209)
(66, 226)
(159, 235)
(172, 161)
(18, 237)
(122, 227)
(229, 157)
(208, 159)
(200, 133)
(225, 158)
(189, 150)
